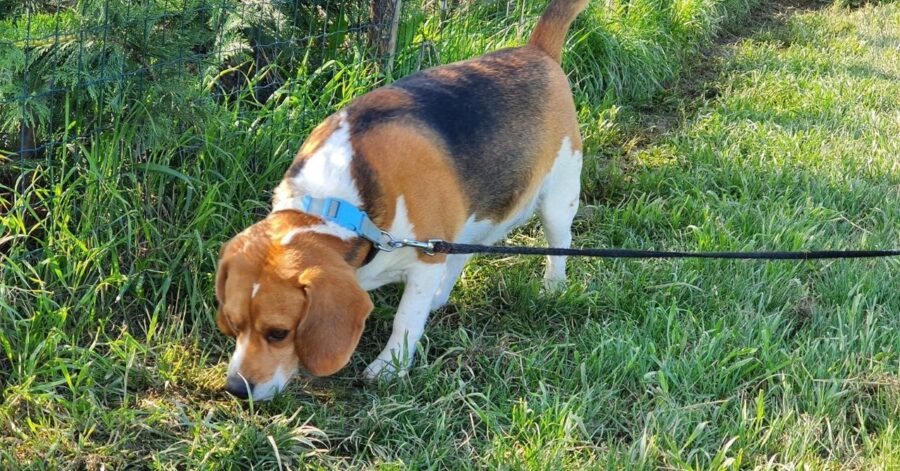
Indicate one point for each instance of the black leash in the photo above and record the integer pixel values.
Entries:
(345, 214)
(444, 247)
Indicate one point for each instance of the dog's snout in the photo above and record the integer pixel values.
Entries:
(238, 387)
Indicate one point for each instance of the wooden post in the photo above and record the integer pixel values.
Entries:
(26, 140)
(383, 33)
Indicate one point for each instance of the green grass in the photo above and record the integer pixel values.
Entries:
(109, 355)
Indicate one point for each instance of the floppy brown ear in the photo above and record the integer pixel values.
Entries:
(337, 308)
(221, 277)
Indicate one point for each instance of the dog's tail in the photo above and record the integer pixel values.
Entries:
(550, 33)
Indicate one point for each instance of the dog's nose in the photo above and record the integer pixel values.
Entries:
(237, 387)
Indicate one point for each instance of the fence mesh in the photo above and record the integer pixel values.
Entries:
(155, 69)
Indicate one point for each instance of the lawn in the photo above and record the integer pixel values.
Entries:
(783, 137)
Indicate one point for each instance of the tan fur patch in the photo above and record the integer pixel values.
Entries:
(387, 97)
(401, 154)
(318, 136)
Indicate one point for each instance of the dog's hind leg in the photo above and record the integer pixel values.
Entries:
(557, 208)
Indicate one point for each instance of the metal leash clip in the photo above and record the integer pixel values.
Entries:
(391, 244)
(425, 246)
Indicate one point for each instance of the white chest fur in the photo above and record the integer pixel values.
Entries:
(389, 267)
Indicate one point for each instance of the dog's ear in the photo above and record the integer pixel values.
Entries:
(221, 277)
(336, 312)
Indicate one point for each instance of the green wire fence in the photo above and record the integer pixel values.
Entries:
(70, 69)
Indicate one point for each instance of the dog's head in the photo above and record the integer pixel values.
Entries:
(290, 300)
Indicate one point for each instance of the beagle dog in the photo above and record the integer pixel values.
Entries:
(463, 152)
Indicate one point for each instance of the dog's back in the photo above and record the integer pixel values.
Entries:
(487, 115)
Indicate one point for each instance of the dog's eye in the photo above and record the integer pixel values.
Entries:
(275, 335)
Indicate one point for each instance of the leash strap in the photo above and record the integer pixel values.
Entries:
(347, 215)
(444, 247)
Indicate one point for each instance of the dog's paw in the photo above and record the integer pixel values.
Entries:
(554, 286)
(387, 366)
(380, 370)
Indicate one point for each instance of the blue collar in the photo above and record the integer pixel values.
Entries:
(338, 211)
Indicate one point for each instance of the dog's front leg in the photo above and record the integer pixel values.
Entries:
(422, 281)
